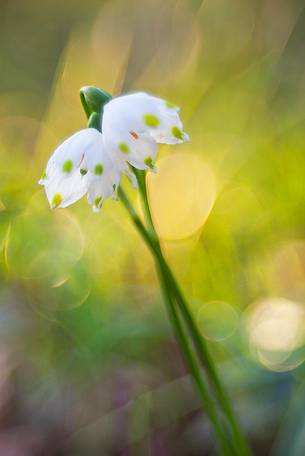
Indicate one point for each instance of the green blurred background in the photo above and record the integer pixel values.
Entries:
(88, 362)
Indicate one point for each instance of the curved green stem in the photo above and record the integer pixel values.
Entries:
(140, 175)
(190, 360)
(207, 362)
(200, 344)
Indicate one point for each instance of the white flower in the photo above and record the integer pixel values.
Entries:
(133, 124)
(92, 162)
(80, 165)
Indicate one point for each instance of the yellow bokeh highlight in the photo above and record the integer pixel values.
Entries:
(181, 195)
(276, 332)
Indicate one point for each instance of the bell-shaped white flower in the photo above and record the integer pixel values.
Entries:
(79, 165)
(133, 124)
(92, 162)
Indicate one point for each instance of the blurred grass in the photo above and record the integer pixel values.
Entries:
(83, 330)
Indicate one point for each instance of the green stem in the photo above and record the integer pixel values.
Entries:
(140, 175)
(94, 121)
(200, 344)
(190, 360)
(209, 365)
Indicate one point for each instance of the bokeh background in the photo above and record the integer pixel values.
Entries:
(88, 362)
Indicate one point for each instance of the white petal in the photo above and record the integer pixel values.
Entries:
(96, 158)
(64, 190)
(104, 175)
(143, 152)
(143, 113)
(102, 187)
(137, 149)
(69, 155)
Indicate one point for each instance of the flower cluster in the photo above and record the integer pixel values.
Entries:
(92, 161)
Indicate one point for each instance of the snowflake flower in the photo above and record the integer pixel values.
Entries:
(133, 124)
(80, 165)
(92, 162)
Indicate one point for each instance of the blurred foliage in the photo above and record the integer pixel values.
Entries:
(87, 360)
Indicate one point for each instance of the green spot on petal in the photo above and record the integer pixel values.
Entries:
(177, 132)
(97, 201)
(124, 148)
(67, 166)
(83, 171)
(148, 161)
(44, 175)
(151, 120)
(98, 170)
(57, 199)
(170, 105)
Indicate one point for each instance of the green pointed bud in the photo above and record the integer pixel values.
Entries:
(93, 99)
